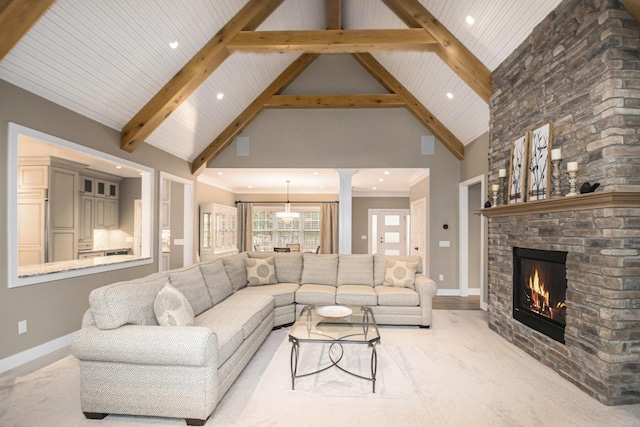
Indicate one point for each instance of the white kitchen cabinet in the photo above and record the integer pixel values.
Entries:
(87, 186)
(107, 189)
(87, 222)
(33, 177)
(31, 227)
(63, 214)
(106, 213)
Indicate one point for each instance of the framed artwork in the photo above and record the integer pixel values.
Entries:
(539, 169)
(517, 170)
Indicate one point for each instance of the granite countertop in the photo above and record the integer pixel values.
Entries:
(88, 251)
(74, 264)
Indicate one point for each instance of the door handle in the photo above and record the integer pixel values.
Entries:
(416, 248)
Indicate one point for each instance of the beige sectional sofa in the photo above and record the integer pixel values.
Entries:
(129, 364)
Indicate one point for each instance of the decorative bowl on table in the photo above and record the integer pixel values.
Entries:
(334, 311)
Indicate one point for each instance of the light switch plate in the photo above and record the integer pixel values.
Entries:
(445, 243)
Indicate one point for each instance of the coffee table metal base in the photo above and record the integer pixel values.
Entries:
(335, 360)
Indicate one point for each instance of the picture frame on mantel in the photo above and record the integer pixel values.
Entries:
(518, 169)
(539, 163)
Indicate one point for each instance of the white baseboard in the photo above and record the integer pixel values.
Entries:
(456, 292)
(34, 353)
(449, 292)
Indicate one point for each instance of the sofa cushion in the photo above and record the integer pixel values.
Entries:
(316, 295)
(400, 274)
(216, 279)
(191, 284)
(380, 265)
(356, 295)
(355, 270)
(391, 296)
(283, 293)
(129, 302)
(288, 264)
(172, 308)
(320, 269)
(289, 267)
(236, 270)
(261, 271)
(230, 335)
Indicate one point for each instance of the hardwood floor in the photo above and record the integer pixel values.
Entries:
(471, 302)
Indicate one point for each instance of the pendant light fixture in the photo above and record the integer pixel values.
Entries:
(287, 216)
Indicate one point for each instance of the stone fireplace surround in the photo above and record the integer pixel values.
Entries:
(579, 69)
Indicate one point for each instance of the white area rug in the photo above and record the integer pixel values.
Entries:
(459, 373)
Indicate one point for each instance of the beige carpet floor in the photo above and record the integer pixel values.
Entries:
(459, 373)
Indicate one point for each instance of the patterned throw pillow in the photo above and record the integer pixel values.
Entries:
(400, 274)
(261, 271)
(172, 308)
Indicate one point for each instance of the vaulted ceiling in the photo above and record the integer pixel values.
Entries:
(111, 61)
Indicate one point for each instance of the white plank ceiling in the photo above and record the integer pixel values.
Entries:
(106, 59)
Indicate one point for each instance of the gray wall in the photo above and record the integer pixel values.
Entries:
(475, 158)
(360, 218)
(130, 189)
(55, 309)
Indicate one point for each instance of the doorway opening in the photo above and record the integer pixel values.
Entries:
(175, 244)
(472, 256)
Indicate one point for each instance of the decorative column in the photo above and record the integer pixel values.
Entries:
(345, 210)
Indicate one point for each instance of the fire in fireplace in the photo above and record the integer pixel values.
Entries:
(540, 290)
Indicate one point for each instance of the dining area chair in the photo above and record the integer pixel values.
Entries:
(294, 247)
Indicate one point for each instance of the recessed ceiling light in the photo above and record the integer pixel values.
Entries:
(470, 20)
(449, 95)
(220, 95)
(322, 186)
(315, 173)
(386, 172)
(374, 188)
(380, 179)
(173, 44)
(220, 173)
(118, 167)
(251, 186)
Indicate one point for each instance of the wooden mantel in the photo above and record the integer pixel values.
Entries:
(597, 200)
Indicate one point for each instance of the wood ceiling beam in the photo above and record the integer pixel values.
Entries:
(16, 19)
(387, 100)
(196, 71)
(633, 7)
(332, 41)
(414, 106)
(251, 112)
(334, 14)
(460, 59)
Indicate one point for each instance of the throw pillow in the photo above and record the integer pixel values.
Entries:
(400, 274)
(172, 308)
(261, 271)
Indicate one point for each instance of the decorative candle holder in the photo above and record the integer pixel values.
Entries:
(495, 189)
(572, 182)
(556, 178)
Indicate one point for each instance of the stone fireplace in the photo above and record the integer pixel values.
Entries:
(579, 69)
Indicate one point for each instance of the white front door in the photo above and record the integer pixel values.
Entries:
(389, 231)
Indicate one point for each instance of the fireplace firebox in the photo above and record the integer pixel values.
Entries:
(540, 290)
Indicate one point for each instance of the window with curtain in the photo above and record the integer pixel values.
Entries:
(271, 232)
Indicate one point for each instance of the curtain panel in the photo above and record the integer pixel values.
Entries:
(329, 228)
(245, 226)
